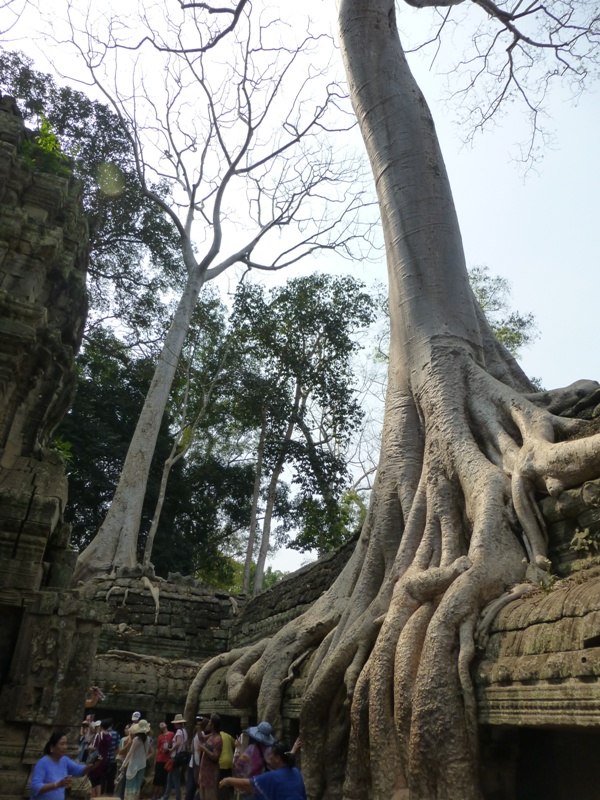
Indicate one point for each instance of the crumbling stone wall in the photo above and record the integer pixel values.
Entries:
(48, 637)
(541, 665)
(537, 680)
(577, 510)
(265, 614)
(155, 642)
(43, 260)
(157, 635)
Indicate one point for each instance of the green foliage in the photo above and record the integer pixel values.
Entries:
(63, 448)
(585, 542)
(270, 578)
(135, 257)
(208, 498)
(43, 152)
(514, 329)
(303, 336)
(322, 526)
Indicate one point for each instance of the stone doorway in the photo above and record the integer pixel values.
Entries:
(558, 764)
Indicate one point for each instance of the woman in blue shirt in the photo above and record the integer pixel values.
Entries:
(55, 771)
(282, 782)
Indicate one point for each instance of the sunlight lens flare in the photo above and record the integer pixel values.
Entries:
(110, 180)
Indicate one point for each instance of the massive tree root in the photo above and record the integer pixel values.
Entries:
(389, 709)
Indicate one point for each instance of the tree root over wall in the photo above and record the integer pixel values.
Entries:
(389, 708)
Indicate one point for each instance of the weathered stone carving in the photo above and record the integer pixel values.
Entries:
(48, 636)
(43, 259)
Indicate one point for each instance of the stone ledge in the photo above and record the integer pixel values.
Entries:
(568, 703)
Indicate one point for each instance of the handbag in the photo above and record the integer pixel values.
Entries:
(181, 758)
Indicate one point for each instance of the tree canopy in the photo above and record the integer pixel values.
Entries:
(302, 337)
(134, 250)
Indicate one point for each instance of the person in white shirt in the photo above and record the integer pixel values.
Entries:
(178, 743)
(194, 765)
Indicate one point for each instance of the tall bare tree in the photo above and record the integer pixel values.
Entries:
(238, 126)
(388, 708)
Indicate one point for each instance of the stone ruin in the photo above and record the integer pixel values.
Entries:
(48, 635)
(142, 639)
(159, 633)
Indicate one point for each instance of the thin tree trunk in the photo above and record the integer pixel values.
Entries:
(115, 544)
(164, 479)
(255, 501)
(175, 456)
(324, 487)
(266, 530)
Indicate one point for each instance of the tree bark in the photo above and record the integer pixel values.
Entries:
(115, 544)
(255, 501)
(271, 492)
(177, 454)
(388, 709)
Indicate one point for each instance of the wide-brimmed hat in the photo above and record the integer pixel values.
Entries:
(143, 726)
(178, 718)
(263, 733)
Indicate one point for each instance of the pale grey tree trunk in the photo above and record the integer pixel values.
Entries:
(115, 544)
(266, 528)
(271, 492)
(175, 456)
(162, 492)
(255, 502)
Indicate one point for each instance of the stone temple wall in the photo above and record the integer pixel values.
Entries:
(159, 633)
(537, 680)
(265, 614)
(48, 636)
(43, 260)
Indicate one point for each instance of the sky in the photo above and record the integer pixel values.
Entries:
(537, 229)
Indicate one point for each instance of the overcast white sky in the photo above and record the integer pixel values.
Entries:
(539, 231)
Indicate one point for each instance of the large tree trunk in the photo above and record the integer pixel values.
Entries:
(388, 710)
(115, 544)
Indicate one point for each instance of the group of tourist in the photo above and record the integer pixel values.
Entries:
(265, 767)
(211, 767)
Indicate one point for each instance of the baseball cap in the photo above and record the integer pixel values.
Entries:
(136, 716)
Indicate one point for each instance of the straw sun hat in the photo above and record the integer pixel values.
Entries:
(143, 726)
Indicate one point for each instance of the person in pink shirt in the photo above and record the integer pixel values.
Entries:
(211, 747)
(253, 761)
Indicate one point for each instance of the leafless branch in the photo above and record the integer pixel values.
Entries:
(15, 9)
(517, 54)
